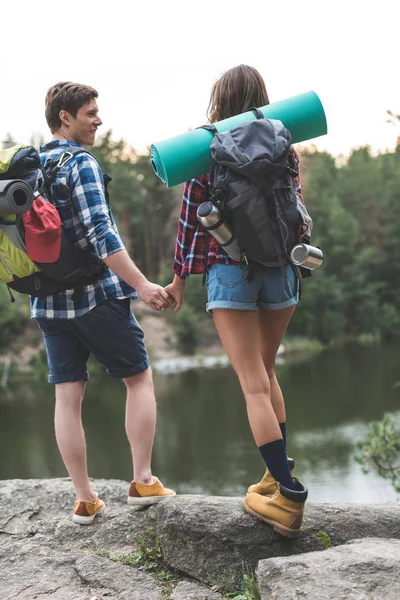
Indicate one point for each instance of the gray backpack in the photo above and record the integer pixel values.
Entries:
(251, 183)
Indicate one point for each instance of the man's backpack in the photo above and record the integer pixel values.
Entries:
(251, 182)
(74, 267)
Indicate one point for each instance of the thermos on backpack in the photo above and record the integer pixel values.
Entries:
(209, 216)
(309, 257)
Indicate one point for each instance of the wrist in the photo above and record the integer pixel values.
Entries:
(179, 282)
(139, 282)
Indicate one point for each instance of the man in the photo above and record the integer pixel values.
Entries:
(99, 320)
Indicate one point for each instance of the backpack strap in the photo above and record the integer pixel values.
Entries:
(62, 160)
(257, 112)
(209, 127)
(107, 180)
(50, 172)
(51, 168)
(206, 259)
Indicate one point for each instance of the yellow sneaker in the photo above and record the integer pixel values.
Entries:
(85, 512)
(146, 494)
(283, 510)
(267, 485)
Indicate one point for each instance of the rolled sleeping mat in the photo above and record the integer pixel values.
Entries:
(186, 156)
(16, 197)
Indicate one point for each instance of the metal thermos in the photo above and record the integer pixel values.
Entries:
(309, 257)
(210, 217)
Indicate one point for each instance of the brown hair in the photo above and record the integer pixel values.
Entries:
(235, 92)
(66, 96)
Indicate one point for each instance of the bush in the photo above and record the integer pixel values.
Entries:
(13, 315)
(381, 449)
(189, 322)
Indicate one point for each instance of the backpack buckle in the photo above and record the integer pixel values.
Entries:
(218, 199)
(292, 172)
(64, 158)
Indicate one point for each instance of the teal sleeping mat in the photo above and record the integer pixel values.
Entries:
(186, 156)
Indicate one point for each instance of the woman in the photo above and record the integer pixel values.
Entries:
(251, 316)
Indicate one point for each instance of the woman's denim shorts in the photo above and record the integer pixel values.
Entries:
(271, 288)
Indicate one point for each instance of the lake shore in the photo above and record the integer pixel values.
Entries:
(160, 341)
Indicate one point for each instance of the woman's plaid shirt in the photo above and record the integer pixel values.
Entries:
(192, 239)
(78, 192)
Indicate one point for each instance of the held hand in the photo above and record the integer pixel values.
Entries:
(154, 296)
(177, 291)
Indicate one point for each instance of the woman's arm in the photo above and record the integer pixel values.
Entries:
(176, 289)
(195, 192)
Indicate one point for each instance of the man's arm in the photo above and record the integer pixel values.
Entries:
(91, 208)
(151, 293)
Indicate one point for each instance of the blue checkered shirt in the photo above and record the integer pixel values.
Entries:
(78, 191)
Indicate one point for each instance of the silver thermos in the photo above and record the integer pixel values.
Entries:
(309, 257)
(209, 216)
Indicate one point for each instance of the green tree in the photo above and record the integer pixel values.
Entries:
(141, 203)
(8, 141)
(355, 210)
(117, 159)
(13, 316)
(381, 450)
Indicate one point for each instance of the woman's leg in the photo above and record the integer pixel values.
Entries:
(273, 325)
(239, 332)
(240, 335)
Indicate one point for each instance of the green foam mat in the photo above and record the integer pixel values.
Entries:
(186, 156)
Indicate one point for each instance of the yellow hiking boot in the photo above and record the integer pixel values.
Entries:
(267, 485)
(85, 512)
(283, 510)
(146, 494)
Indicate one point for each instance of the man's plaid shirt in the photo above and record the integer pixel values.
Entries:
(192, 238)
(78, 192)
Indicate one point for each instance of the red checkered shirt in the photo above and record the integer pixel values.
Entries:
(192, 239)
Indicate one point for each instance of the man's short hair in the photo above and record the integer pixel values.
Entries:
(66, 96)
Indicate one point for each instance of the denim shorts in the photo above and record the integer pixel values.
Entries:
(109, 331)
(272, 288)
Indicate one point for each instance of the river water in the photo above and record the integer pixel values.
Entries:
(203, 442)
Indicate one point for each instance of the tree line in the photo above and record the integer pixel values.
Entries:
(355, 206)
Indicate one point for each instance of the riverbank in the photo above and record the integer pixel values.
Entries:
(189, 548)
(161, 343)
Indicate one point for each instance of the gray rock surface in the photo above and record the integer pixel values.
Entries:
(43, 554)
(187, 590)
(120, 581)
(210, 538)
(366, 569)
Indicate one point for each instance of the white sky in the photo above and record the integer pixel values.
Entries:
(153, 63)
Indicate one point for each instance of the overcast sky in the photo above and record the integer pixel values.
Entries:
(153, 63)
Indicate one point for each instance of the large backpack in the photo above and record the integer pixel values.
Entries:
(20, 166)
(251, 182)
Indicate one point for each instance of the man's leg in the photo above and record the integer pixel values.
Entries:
(67, 358)
(113, 336)
(71, 437)
(140, 423)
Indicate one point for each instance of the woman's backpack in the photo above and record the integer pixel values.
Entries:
(252, 184)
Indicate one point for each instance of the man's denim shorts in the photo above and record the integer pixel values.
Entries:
(109, 331)
(272, 288)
